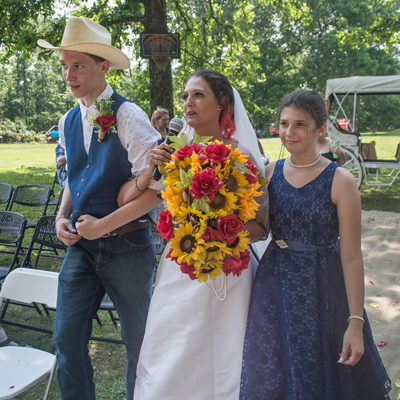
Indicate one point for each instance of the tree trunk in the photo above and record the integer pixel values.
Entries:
(155, 20)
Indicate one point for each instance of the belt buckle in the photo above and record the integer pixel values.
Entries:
(281, 243)
(109, 234)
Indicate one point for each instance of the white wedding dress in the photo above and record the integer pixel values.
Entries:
(192, 349)
(193, 344)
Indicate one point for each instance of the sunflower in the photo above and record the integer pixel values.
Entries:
(217, 250)
(195, 164)
(224, 201)
(196, 217)
(172, 177)
(213, 216)
(173, 197)
(241, 243)
(187, 245)
(252, 191)
(247, 209)
(211, 269)
(235, 182)
(237, 155)
(185, 164)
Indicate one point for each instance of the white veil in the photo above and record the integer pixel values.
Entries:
(248, 144)
(244, 133)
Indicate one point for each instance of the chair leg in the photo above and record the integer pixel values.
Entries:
(51, 376)
(97, 318)
(45, 309)
(113, 319)
(37, 308)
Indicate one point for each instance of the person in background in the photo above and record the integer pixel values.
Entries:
(324, 146)
(160, 120)
(61, 161)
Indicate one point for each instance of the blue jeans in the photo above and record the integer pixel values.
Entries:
(121, 266)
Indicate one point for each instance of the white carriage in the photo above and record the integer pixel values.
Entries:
(360, 164)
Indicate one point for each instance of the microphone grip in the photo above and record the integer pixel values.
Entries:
(156, 173)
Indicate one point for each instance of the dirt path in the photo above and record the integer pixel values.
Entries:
(381, 252)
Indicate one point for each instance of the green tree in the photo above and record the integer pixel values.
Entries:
(124, 19)
(304, 44)
(33, 89)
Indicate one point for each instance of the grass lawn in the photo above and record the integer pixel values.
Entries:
(35, 164)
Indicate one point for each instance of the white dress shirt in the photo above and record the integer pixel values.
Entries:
(134, 131)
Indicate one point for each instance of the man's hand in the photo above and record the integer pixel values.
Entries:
(65, 232)
(89, 227)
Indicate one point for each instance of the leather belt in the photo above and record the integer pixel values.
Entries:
(131, 227)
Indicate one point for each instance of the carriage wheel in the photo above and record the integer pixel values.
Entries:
(354, 166)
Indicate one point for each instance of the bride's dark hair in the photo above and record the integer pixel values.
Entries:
(221, 88)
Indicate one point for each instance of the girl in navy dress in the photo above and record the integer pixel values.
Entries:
(308, 336)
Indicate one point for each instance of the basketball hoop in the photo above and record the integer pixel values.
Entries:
(160, 46)
(161, 57)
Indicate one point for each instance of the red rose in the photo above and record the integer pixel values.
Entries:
(187, 151)
(209, 234)
(188, 269)
(228, 227)
(251, 178)
(218, 153)
(245, 257)
(204, 183)
(105, 121)
(236, 265)
(165, 226)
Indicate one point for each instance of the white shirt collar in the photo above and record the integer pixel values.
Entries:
(107, 92)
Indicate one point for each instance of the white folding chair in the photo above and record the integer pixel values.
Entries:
(21, 367)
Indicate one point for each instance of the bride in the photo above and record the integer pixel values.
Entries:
(193, 342)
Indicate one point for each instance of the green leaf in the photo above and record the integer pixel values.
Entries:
(201, 204)
(162, 169)
(186, 178)
(262, 181)
(241, 167)
(202, 139)
(179, 141)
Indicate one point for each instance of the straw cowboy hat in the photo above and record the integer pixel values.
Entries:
(84, 35)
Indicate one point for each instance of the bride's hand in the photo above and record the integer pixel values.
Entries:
(160, 155)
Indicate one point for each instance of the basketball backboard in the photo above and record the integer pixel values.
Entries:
(159, 45)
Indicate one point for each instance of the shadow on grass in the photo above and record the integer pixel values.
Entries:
(28, 176)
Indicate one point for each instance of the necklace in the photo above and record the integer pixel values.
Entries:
(304, 166)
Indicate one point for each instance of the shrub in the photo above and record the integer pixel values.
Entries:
(16, 132)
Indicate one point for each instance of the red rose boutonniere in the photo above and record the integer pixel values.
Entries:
(105, 121)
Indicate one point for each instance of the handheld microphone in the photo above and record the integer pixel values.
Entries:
(175, 127)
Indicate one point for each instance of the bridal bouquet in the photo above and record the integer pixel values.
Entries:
(210, 195)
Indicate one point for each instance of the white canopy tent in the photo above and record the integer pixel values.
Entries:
(363, 85)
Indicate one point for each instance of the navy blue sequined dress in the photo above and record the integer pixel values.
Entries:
(298, 309)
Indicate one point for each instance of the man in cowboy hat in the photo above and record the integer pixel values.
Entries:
(120, 262)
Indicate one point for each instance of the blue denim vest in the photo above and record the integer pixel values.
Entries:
(95, 179)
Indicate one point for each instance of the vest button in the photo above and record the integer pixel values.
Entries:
(78, 194)
(83, 180)
(75, 210)
(88, 166)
